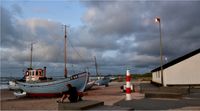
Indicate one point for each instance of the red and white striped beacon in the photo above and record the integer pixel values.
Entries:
(128, 85)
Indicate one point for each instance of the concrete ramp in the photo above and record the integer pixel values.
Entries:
(81, 105)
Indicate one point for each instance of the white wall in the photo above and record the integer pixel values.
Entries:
(182, 73)
(156, 77)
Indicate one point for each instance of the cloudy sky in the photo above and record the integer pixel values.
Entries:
(121, 34)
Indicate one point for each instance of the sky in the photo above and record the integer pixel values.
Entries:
(121, 34)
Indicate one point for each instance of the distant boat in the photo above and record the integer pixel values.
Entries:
(35, 87)
(104, 80)
(101, 80)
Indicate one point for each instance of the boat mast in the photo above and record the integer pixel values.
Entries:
(31, 56)
(65, 57)
(96, 66)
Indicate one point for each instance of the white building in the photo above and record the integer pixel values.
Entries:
(184, 70)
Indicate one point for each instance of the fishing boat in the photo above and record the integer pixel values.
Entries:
(54, 88)
(49, 88)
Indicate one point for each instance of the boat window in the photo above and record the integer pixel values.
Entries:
(36, 73)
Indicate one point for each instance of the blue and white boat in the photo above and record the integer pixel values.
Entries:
(54, 88)
(48, 88)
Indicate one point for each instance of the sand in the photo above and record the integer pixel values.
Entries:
(109, 95)
(112, 97)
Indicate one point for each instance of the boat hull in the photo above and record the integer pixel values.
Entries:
(54, 87)
(102, 81)
(90, 85)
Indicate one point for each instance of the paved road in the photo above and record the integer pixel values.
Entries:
(190, 102)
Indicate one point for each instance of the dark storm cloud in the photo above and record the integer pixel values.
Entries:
(119, 19)
(83, 37)
(9, 35)
(120, 34)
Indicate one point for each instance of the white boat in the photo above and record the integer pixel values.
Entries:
(49, 88)
(53, 88)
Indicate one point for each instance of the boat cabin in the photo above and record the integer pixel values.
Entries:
(35, 74)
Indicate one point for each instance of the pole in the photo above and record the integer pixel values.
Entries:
(161, 52)
(128, 85)
(65, 50)
(31, 55)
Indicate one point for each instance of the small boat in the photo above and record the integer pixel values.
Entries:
(36, 85)
(103, 81)
(113, 79)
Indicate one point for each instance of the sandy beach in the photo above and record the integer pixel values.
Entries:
(109, 95)
(113, 99)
